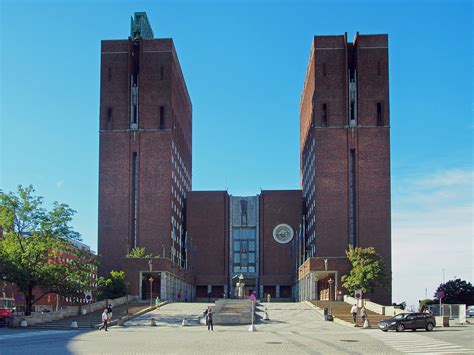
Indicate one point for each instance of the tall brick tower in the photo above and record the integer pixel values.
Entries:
(345, 158)
(145, 158)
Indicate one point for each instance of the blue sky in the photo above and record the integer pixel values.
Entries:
(244, 63)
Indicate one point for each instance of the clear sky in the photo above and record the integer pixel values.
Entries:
(244, 63)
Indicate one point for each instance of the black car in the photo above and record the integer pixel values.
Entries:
(411, 321)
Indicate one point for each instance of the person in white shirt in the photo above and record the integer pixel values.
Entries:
(354, 311)
(105, 318)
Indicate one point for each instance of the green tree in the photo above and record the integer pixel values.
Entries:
(138, 252)
(35, 244)
(112, 287)
(457, 292)
(368, 270)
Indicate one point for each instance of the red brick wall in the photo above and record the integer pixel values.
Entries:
(208, 231)
(277, 261)
(152, 144)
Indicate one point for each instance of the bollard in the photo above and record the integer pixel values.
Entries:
(74, 324)
(120, 322)
(23, 323)
(252, 328)
(184, 322)
(153, 322)
(366, 324)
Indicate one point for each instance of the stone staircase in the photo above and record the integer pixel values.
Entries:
(91, 320)
(342, 310)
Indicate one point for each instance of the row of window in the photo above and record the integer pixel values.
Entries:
(379, 68)
(325, 113)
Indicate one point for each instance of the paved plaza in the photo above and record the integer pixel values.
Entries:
(294, 328)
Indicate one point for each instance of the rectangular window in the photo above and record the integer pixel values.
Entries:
(252, 246)
(352, 199)
(237, 258)
(162, 117)
(134, 200)
(251, 268)
(379, 114)
(324, 117)
(237, 246)
(252, 258)
(109, 118)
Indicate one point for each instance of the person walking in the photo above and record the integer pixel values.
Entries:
(363, 314)
(109, 312)
(268, 297)
(210, 326)
(105, 318)
(354, 311)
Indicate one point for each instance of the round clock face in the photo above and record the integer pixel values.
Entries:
(283, 233)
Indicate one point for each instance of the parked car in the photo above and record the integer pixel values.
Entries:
(411, 321)
(470, 311)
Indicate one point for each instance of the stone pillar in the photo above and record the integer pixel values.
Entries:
(163, 294)
(277, 292)
(312, 279)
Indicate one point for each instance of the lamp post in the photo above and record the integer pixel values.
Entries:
(151, 290)
(330, 281)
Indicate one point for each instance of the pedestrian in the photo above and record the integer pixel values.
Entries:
(109, 312)
(105, 318)
(363, 314)
(354, 311)
(209, 319)
(268, 297)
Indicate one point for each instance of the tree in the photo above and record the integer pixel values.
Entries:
(112, 287)
(368, 270)
(457, 292)
(32, 246)
(138, 252)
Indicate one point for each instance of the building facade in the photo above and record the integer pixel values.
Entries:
(199, 244)
(250, 236)
(345, 159)
(145, 158)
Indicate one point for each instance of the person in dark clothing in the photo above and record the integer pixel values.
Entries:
(209, 319)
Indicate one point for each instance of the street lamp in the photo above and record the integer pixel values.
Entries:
(151, 291)
(330, 281)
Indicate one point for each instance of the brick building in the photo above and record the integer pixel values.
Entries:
(145, 168)
(206, 239)
(345, 158)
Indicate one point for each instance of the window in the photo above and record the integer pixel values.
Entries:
(162, 117)
(109, 118)
(379, 114)
(324, 117)
(134, 199)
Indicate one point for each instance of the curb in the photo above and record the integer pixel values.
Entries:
(131, 316)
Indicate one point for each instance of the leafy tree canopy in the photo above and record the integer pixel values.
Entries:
(139, 252)
(36, 249)
(112, 287)
(457, 292)
(368, 270)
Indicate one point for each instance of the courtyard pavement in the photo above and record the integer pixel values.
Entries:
(294, 328)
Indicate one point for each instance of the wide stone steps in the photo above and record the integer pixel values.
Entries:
(342, 311)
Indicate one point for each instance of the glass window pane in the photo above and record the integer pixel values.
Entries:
(252, 245)
(251, 257)
(236, 246)
(236, 268)
(251, 268)
(236, 233)
(237, 258)
(243, 269)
